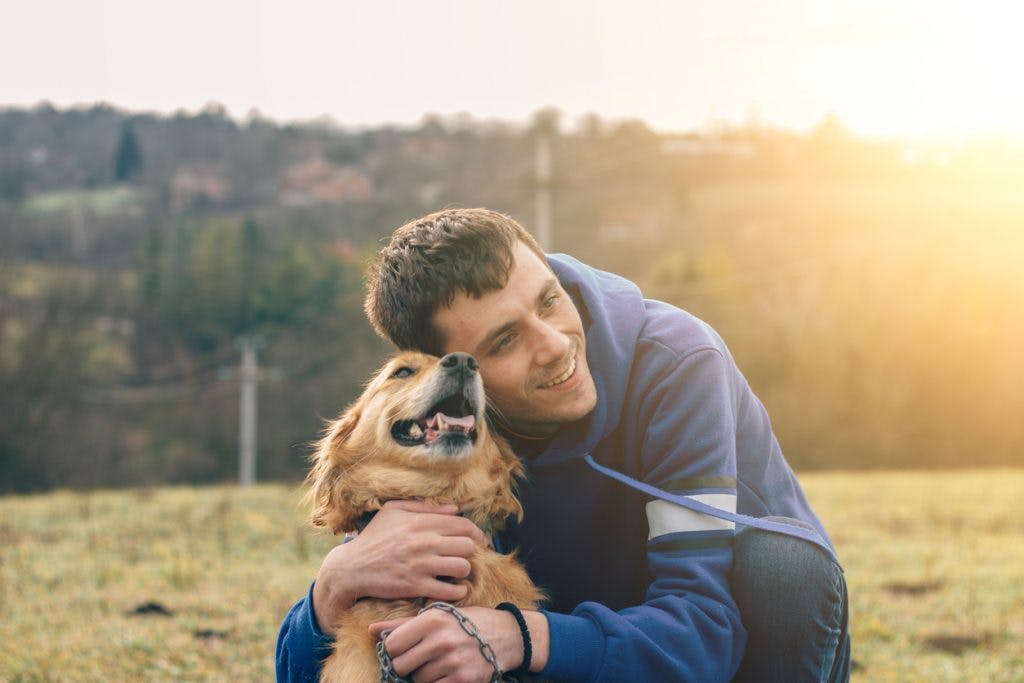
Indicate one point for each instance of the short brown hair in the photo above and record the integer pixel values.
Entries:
(428, 260)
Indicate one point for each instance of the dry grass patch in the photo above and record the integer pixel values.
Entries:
(934, 562)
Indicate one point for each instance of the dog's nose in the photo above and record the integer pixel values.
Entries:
(455, 361)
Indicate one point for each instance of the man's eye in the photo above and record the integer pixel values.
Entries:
(503, 343)
(550, 301)
(403, 371)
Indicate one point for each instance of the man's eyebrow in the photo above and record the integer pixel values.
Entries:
(549, 286)
(492, 336)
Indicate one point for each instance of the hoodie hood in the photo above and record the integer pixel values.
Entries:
(612, 309)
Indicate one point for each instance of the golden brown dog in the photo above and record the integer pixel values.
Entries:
(417, 432)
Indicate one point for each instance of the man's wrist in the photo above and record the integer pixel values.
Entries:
(540, 639)
(524, 633)
(331, 596)
(322, 615)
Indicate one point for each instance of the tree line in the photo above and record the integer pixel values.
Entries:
(868, 300)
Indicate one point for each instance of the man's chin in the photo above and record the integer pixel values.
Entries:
(572, 410)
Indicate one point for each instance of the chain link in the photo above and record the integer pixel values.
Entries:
(387, 669)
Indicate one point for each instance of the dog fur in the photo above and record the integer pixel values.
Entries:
(371, 455)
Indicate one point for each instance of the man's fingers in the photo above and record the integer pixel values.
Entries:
(421, 640)
(446, 522)
(455, 567)
(456, 546)
(379, 627)
(401, 643)
(460, 526)
(435, 589)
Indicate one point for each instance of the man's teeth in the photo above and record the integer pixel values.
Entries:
(561, 378)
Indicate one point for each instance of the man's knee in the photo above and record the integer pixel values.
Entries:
(792, 598)
(765, 557)
(782, 583)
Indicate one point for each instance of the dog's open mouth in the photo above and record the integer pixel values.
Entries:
(450, 419)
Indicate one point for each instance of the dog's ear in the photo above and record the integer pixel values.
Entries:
(330, 506)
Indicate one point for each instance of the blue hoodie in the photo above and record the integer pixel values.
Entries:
(639, 587)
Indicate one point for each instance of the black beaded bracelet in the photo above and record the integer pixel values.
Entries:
(523, 668)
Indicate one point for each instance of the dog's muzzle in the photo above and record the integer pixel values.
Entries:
(451, 419)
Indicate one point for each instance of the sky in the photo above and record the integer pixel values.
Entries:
(886, 69)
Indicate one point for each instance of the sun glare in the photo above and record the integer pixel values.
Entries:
(975, 77)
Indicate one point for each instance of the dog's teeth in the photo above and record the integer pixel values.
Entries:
(415, 431)
(442, 424)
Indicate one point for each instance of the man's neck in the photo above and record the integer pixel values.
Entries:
(528, 441)
(528, 432)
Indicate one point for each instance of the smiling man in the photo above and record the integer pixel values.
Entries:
(530, 340)
(641, 441)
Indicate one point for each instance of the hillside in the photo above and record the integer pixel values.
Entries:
(869, 291)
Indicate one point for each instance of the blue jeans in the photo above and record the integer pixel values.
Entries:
(793, 602)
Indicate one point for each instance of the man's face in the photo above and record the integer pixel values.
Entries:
(528, 339)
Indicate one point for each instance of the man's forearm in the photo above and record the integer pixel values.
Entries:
(300, 644)
(333, 593)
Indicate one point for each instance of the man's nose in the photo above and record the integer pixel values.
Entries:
(552, 345)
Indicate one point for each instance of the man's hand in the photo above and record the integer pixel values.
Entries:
(433, 646)
(400, 554)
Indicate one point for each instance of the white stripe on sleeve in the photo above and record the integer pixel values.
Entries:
(664, 517)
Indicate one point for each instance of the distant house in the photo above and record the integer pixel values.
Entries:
(707, 146)
(199, 184)
(425, 149)
(320, 182)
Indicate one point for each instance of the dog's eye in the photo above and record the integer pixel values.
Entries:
(403, 371)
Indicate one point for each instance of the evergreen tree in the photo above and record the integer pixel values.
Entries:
(128, 160)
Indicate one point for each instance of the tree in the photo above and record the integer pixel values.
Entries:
(42, 372)
(12, 181)
(128, 160)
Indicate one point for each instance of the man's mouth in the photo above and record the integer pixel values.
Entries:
(562, 377)
(453, 418)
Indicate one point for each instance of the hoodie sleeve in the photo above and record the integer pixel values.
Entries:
(301, 646)
(688, 628)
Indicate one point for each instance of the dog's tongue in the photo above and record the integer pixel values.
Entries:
(464, 423)
(443, 423)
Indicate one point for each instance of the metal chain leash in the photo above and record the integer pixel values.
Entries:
(387, 670)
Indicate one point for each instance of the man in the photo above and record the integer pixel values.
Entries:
(624, 411)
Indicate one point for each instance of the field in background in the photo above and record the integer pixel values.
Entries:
(191, 583)
(935, 566)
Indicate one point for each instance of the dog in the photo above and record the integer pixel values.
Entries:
(418, 431)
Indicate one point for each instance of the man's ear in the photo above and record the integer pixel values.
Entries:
(326, 480)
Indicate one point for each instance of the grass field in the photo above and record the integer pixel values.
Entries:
(104, 201)
(934, 561)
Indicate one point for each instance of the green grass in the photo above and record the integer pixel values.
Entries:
(933, 555)
(104, 201)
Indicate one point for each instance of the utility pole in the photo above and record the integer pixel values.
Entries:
(543, 184)
(248, 376)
